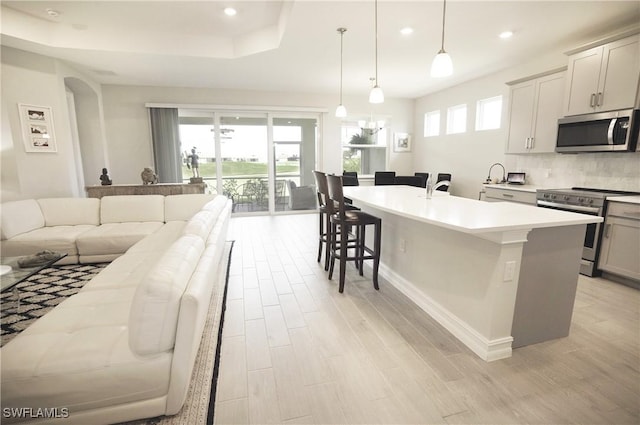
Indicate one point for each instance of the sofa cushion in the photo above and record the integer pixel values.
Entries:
(161, 239)
(18, 217)
(78, 356)
(58, 238)
(132, 208)
(183, 207)
(155, 307)
(114, 238)
(70, 211)
(201, 224)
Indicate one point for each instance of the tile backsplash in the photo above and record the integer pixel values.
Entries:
(619, 171)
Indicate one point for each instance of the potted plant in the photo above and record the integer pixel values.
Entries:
(360, 139)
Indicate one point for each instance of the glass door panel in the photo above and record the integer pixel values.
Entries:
(244, 161)
(294, 146)
(197, 138)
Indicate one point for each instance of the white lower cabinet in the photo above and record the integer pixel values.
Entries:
(499, 194)
(620, 249)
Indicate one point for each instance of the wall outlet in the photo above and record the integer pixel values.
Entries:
(403, 245)
(509, 271)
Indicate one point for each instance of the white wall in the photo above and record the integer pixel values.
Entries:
(468, 156)
(38, 80)
(128, 132)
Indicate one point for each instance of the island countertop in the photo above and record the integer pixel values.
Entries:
(462, 214)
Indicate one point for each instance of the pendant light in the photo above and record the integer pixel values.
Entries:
(341, 111)
(376, 95)
(442, 65)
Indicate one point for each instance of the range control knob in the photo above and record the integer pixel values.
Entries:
(590, 201)
(581, 200)
(566, 197)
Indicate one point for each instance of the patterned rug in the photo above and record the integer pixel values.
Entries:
(39, 294)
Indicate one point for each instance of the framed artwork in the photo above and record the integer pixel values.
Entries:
(37, 128)
(401, 142)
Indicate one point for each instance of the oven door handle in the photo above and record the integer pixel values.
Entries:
(577, 208)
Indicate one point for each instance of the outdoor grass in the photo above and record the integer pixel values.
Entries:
(240, 168)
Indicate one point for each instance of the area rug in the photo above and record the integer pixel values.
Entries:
(40, 293)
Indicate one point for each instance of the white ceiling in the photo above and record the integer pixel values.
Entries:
(294, 46)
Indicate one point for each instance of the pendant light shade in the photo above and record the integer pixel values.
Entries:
(376, 95)
(442, 65)
(341, 111)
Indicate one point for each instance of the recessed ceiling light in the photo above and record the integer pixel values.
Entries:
(506, 34)
(230, 11)
(53, 13)
(406, 31)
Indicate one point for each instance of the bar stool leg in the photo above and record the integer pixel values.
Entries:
(327, 252)
(320, 236)
(376, 255)
(343, 261)
(332, 244)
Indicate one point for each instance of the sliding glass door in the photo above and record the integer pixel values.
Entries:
(244, 149)
(264, 161)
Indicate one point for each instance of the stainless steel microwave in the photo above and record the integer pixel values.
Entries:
(599, 132)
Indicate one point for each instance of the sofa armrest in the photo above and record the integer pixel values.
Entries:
(17, 217)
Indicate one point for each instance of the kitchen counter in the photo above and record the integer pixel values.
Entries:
(462, 214)
(626, 199)
(496, 275)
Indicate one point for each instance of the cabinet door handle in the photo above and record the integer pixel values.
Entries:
(592, 102)
(526, 143)
(532, 142)
(506, 195)
(607, 230)
(599, 99)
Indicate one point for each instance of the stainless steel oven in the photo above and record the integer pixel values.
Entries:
(584, 201)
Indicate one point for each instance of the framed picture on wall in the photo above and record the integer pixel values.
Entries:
(37, 128)
(401, 142)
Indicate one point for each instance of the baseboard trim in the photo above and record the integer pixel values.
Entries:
(488, 350)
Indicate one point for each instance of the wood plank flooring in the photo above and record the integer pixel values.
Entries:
(294, 350)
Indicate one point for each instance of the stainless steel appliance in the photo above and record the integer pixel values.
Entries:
(584, 201)
(599, 132)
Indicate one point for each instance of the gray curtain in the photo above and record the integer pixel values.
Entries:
(166, 144)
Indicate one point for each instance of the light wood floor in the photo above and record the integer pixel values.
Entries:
(294, 350)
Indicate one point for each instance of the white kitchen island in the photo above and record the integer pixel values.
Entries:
(497, 275)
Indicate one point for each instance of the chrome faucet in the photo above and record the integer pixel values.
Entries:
(504, 178)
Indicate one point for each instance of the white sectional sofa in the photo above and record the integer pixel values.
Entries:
(124, 346)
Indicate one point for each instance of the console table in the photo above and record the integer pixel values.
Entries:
(144, 189)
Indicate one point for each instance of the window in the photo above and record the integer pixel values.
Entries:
(364, 146)
(457, 119)
(432, 124)
(488, 113)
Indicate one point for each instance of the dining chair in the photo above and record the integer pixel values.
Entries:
(443, 182)
(414, 181)
(382, 178)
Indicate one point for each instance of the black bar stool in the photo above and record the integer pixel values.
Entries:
(344, 218)
(326, 209)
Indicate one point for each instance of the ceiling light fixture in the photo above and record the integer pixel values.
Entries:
(406, 31)
(53, 13)
(442, 65)
(376, 95)
(505, 34)
(230, 11)
(341, 111)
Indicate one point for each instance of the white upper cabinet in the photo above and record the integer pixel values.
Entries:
(603, 78)
(534, 108)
